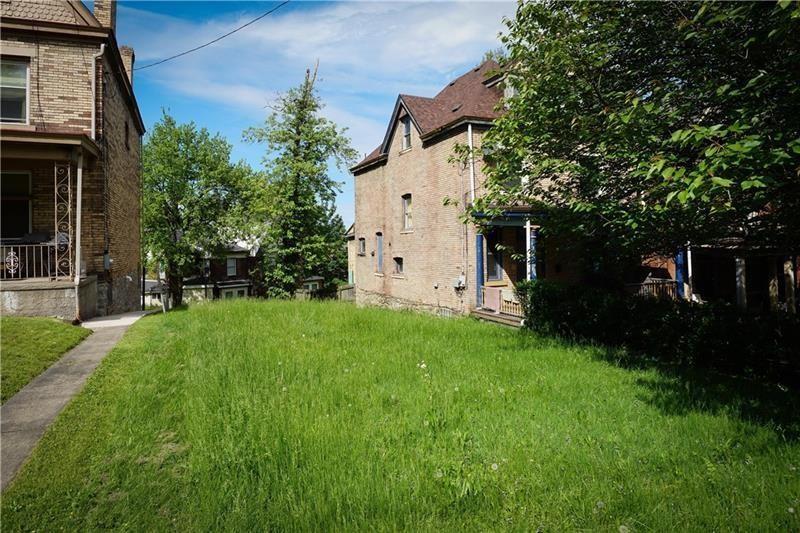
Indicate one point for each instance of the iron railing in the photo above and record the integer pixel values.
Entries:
(23, 261)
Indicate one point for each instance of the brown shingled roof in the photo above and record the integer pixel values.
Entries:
(63, 11)
(466, 97)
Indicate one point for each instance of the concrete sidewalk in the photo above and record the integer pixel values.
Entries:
(26, 415)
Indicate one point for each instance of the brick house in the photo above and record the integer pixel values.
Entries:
(71, 180)
(409, 248)
(231, 273)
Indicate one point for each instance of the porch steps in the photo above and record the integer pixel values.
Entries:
(497, 318)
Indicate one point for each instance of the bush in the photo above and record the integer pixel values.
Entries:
(714, 336)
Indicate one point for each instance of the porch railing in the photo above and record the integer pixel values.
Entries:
(655, 288)
(501, 300)
(23, 261)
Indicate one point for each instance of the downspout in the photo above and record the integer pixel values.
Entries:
(471, 164)
(95, 57)
(78, 217)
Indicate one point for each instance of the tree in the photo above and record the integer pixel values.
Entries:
(639, 126)
(302, 235)
(190, 192)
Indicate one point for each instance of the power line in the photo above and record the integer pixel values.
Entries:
(274, 9)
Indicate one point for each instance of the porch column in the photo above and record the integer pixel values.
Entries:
(479, 270)
(680, 265)
(789, 285)
(531, 242)
(741, 283)
(78, 216)
(773, 283)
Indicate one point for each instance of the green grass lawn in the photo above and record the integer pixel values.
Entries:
(252, 415)
(28, 346)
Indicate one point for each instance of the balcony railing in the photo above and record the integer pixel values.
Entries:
(501, 300)
(655, 288)
(23, 261)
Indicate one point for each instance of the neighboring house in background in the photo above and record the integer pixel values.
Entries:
(410, 249)
(71, 139)
(230, 274)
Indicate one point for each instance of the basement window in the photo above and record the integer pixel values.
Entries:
(14, 83)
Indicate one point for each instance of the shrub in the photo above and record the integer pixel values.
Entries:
(714, 335)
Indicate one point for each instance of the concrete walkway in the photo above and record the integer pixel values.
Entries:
(26, 415)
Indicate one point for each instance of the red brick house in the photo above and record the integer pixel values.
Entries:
(409, 248)
(71, 181)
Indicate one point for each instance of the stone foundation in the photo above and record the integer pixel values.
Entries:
(368, 298)
(48, 298)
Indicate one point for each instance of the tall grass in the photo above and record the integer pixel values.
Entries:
(320, 416)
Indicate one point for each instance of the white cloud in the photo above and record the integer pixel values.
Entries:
(368, 53)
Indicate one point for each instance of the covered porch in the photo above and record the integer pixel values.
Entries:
(44, 217)
(507, 252)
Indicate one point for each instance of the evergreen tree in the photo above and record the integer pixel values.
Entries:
(301, 234)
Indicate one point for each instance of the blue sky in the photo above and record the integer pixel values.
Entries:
(368, 53)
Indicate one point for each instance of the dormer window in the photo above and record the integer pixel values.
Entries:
(406, 121)
(14, 91)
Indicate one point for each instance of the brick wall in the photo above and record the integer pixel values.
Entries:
(121, 163)
(438, 249)
(60, 97)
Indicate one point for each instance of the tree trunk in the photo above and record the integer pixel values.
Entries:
(175, 285)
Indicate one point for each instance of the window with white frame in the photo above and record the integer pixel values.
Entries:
(15, 191)
(362, 246)
(14, 80)
(231, 266)
(407, 211)
(406, 121)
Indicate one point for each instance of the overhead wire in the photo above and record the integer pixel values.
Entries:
(209, 43)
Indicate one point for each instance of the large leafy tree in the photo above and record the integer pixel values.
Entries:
(192, 194)
(639, 126)
(301, 235)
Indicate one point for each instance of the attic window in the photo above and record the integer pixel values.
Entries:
(406, 120)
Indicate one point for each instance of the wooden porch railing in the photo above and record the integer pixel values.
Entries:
(655, 288)
(508, 304)
(23, 261)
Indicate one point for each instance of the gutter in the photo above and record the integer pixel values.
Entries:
(471, 164)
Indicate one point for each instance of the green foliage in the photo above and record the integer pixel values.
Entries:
(639, 126)
(319, 416)
(193, 197)
(302, 235)
(30, 345)
(707, 336)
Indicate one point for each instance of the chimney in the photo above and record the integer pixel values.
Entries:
(105, 11)
(128, 57)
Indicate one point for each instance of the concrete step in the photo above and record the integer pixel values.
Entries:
(497, 318)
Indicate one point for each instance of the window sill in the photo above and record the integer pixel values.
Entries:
(406, 231)
(378, 274)
(405, 150)
(361, 255)
(496, 283)
(11, 126)
(398, 276)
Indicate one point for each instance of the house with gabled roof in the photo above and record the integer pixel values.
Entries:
(71, 181)
(412, 248)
